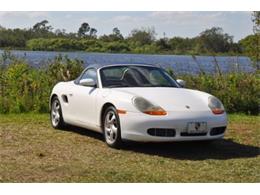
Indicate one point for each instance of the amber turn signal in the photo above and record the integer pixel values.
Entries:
(156, 112)
(121, 111)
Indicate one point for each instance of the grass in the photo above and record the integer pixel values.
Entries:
(32, 151)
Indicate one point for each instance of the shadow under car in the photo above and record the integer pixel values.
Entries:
(221, 149)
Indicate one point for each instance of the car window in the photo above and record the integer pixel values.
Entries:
(90, 73)
(156, 78)
(114, 73)
(135, 76)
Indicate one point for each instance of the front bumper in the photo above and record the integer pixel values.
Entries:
(134, 126)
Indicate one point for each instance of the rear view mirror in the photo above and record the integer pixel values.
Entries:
(182, 83)
(88, 82)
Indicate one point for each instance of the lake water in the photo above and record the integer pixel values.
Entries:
(180, 63)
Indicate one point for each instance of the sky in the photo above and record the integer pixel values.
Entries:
(183, 24)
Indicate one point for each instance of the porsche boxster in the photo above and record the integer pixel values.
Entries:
(136, 102)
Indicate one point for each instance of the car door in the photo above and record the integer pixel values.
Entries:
(83, 101)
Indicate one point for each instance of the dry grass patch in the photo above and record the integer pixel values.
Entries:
(32, 151)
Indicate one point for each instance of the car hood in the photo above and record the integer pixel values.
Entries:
(171, 99)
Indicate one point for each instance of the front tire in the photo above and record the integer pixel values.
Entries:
(57, 121)
(111, 128)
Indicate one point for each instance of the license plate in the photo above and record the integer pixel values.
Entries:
(197, 127)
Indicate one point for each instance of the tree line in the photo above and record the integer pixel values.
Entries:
(212, 41)
(139, 40)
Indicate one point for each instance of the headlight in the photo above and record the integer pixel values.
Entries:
(147, 107)
(215, 105)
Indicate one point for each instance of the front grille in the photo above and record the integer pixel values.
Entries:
(161, 132)
(217, 130)
(193, 134)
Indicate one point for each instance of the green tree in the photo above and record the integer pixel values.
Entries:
(93, 32)
(143, 36)
(13, 37)
(181, 45)
(214, 40)
(115, 36)
(163, 44)
(42, 26)
(60, 33)
(83, 29)
(256, 30)
(251, 43)
(42, 29)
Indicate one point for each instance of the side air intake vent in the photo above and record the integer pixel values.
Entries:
(64, 98)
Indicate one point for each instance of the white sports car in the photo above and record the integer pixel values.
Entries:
(136, 102)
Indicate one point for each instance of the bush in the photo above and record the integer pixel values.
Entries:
(57, 44)
(27, 89)
(117, 47)
(63, 68)
(239, 92)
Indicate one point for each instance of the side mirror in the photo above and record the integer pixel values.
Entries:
(88, 82)
(182, 83)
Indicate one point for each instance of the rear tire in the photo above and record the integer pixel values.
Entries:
(111, 128)
(56, 117)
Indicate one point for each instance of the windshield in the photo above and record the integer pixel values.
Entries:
(135, 76)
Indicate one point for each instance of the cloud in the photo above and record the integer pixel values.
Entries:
(128, 19)
(23, 14)
(187, 18)
(21, 19)
(167, 19)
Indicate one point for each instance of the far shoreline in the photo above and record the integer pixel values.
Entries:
(121, 53)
